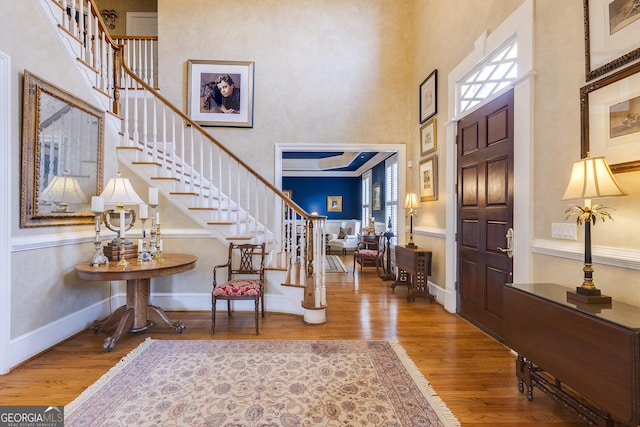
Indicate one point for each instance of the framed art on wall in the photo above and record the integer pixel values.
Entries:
(334, 203)
(611, 35)
(429, 179)
(428, 143)
(429, 96)
(220, 93)
(377, 197)
(610, 119)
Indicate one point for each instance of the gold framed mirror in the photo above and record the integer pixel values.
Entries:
(62, 156)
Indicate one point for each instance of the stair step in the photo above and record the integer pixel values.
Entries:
(220, 223)
(147, 163)
(164, 178)
(125, 147)
(239, 238)
(183, 193)
(291, 285)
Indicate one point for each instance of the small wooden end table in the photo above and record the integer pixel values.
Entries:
(137, 315)
(414, 269)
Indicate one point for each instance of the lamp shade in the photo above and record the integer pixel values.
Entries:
(591, 178)
(64, 189)
(411, 201)
(119, 191)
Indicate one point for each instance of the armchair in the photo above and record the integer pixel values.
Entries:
(244, 279)
(345, 238)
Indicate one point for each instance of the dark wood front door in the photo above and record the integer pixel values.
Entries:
(485, 211)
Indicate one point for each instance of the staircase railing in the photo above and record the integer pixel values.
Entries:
(199, 167)
(142, 56)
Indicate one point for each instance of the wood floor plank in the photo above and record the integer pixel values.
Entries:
(470, 371)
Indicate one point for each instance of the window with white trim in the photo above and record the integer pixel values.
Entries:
(366, 198)
(391, 194)
(495, 73)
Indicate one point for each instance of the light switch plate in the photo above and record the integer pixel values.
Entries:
(563, 230)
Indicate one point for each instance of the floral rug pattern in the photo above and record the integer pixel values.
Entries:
(261, 383)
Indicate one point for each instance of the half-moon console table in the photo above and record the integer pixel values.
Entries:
(137, 315)
(586, 356)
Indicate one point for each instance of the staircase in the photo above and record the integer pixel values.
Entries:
(195, 172)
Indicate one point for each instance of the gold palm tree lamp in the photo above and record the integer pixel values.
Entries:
(412, 203)
(590, 178)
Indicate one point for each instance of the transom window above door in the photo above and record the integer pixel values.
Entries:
(495, 73)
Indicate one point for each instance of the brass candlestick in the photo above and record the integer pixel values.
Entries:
(122, 262)
(158, 254)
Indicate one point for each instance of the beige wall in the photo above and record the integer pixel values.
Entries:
(330, 72)
(326, 71)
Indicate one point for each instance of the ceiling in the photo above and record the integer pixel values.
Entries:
(330, 163)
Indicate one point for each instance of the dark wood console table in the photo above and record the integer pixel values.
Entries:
(414, 269)
(586, 356)
(137, 315)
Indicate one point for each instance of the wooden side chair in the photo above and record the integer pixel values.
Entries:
(244, 279)
(369, 252)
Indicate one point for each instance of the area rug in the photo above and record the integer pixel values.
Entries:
(333, 264)
(261, 383)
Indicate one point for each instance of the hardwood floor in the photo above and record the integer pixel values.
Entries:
(470, 371)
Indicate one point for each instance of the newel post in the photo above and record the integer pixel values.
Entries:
(315, 297)
(117, 77)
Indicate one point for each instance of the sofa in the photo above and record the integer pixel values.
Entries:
(342, 235)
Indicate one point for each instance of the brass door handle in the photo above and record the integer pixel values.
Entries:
(509, 248)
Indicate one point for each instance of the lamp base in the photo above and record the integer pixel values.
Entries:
(411, 245)
(588, 296)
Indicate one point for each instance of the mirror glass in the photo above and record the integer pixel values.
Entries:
(62, 144)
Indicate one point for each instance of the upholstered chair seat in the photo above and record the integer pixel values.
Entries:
(239, 288)
(369, 252)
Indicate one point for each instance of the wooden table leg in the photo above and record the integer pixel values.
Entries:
(125, 324)
(110, 322)
(137, 316)
(138, 299)
(159, 317)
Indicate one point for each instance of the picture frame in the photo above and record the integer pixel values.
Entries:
(428, 142)
(206, 103)
(610, 119)
(334, 203)
(611, 35)
(377, 197)
(429, 96)
(429, 179)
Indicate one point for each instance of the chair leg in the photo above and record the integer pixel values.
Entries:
(213, 315)
(262, 299)
(256, 302)
(228, 308)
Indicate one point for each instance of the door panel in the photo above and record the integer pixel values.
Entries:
(485, 211)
